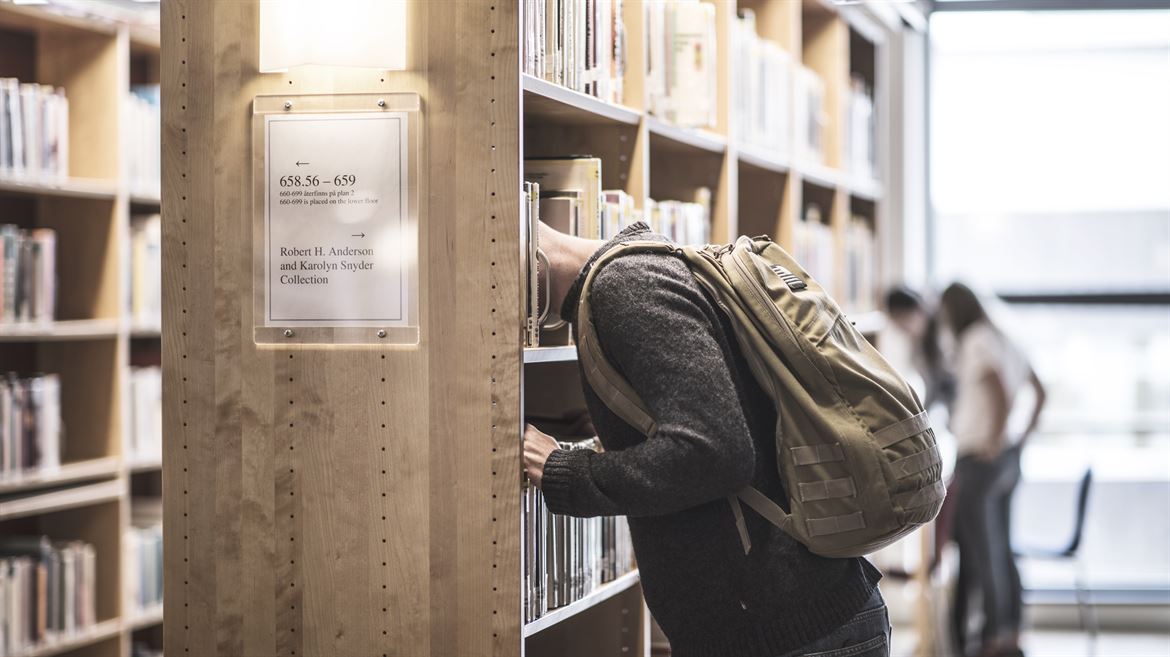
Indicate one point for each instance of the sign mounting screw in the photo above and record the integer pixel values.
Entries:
(288, 333)
(381, 102)
(288, 104)
(381, 333)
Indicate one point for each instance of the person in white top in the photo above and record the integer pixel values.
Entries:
(994, 378)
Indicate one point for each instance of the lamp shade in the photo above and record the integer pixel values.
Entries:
(364, 33)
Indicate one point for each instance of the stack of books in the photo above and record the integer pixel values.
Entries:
(567, 558)
(811, 118)
(860, 129)
(30, 425)
(565, 194)
(813, 247)
(579, 44)
(146, 270)
(763, 87)
(684, 222)
(145, 414)
(142, 544)
(34, 131)
(28, 274)
(681, 70)
(860, 266)
(144, 147)
(46, 591)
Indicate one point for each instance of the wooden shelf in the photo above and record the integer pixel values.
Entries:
(61, 500)
(69, 188)
(144, 465)
(146, 199)
(868, 189)
(762, 158)
(819, 175)
(98, 632)
(603, 593)
(553, 103)
(36, 19)
(73, 329)
(67, 473)
(672, 138)
(560, 354)
(145, 619)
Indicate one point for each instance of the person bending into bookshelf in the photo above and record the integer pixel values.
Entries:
(715, 435)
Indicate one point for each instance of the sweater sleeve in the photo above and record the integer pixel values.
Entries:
(658, 329)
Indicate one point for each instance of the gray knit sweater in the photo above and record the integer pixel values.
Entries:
(715, 435)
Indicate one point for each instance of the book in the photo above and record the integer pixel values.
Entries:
(681, 65)
(684, 222)
(578, 175)
(145, 440)
(144, 152)
(530, 207)
(579, 44)
(34, 131)
(860, 129)
(142, 545)
(811, 119)
(28, 277)
(31, 434)
(46, 591)
(565, 559)
(763, 87)
(146, 270)
(813, 247)
(860, 293)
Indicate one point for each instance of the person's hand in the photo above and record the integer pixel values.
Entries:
(537, 447)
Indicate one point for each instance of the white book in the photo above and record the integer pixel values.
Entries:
(14, 107)
(30, 114)
(691, 83)
(580, 174)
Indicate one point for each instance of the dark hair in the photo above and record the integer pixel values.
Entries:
(903, 299)
(962, 307)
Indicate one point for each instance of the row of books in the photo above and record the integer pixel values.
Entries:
(567, 558)
(142, 544)
(30, 425)
(579, 44)
(566, 194)
(28, 274)
(812, 246)
(145, 304)
(145, 439)
(144, 139)
(861, 274)
(811, 117)
(46, 591)
(860, 129)
(681, 66)
(763, 86)
(34, 131)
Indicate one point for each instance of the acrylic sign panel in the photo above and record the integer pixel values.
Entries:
(340, 243)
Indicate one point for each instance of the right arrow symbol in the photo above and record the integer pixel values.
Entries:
(359, 235)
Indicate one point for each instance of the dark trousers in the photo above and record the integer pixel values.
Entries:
(983, 533)
(867, 634)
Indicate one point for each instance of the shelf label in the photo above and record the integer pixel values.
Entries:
(338, 244)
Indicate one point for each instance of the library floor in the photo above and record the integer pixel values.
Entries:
(1067, 643)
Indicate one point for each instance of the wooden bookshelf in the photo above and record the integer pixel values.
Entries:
(371, 493)
(601, 595)
(89, 497)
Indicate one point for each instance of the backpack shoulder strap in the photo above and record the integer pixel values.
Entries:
(613, 389)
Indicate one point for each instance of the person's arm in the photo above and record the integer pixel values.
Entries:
(654, 325)
(1041, 399)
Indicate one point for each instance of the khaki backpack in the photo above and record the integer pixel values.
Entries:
(853, 444)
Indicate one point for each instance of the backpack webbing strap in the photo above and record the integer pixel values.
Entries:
(827, 489)
(611, 387)
(899, 431)
(740, 525)
(916, 463)
(813, 454)
(763, 506)
(922, 496)
(835, 524)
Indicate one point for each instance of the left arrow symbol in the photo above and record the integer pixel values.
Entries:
(299, 163)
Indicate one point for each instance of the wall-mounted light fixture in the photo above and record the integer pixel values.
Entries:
(365, 33)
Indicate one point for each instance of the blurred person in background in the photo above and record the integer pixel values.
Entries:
(915, 351)
(991, 372)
